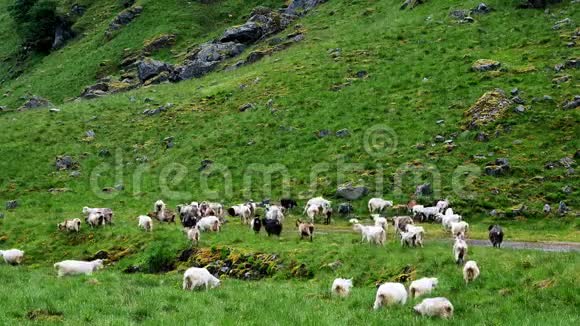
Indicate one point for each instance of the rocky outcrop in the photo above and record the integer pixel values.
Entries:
(572, 104)
(148, 68)
(485, 65)
(107, 87)
(498, 168)
(301, 7)
(263, 22)
(160, 42)
(122, 19)
(490, 107)
(350, 192)
(65, 162)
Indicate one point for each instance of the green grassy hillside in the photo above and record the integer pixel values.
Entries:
(395, 76)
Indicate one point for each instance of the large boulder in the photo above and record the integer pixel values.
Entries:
(350, 192)
(263, 22)
(216, 51)
(488, 108)
(300, 7)
(498, 168)
(149, 68)
(485, 65)
(572, 104)
(66, 162)
(192, 69)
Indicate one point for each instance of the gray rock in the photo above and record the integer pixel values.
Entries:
(482, 137)
(498, 168)
(567, 162)
(54, 110)
(547, 98)
(439, 138)
(124, 18)
(1, 216)
(323, 133)
(572, 104)
(564, 22)
(562, 208)
(34, 102)
(216, 51)
(350, 192)
(75, 174)
(193, 69)
(515, 91)
(263, 22)
(11, 204)
(152, 112)
(65, 162)
(559, 67)
(439, 122)
(459, 14)
(246, 107)
(423, 190)
(518, 100)
(342, 133)
(168, 141)
(485, 65)
(547, 209)
(520, 109)
(481, 9)
(90, 134)
(119, 187)
(421, 146)
(149, 68)
(300, 7)
(567, 189)
(572, 64)
(561, 79)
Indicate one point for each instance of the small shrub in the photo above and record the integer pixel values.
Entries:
(160, 259)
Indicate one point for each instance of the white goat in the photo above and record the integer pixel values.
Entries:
(418, 231)
(377, 205)
(422, 286)
(470, 271)
(12, 256)
(70, 225)
(390, 293)
(442, 205)
(146, 223)
(448, 220)
(74, 267)
(380, 221)
(195, 277)
(435, 307)
(318, 201)
(371, 234)
(95, 219)
(194, 235)
(341, 287)
(460, 250)
(107, 213)
(459, 228)
(274, 212)
(209, 223)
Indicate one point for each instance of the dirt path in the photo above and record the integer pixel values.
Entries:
(548, 246)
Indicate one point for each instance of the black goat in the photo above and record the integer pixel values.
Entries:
(495, 235)
(272, 226)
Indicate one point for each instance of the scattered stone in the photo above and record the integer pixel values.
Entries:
(562, 208)
(459, 14)
(423, 190)
(520, 109)
(323, 133)
(561, 79)
(342, 133)
(335, 53)
(481, 9)
(158, 43)
(124, 18)
(439, 138)
(205, 164)
(301, 7)
(567, 189)
(550, 165)
(77, 10)
(485, 65)
(491, 106)
(572, 104)
(11, 204)
(66, 162)
(518, 142)
(564, 22)
(421, 146)
(168, 142)
(362, 74)
(90, 134)
(246, 107)
(75, 174)
(518, 100)
(559, 67)
(547, 209)
(58, 190)
(500, 167)
(448, 141)
(1, 216)
(350, 192)
(482, 137)
(34, 102)
(263, 22)
(53, 110)
(567, 162)
(515, 91)
(439, 122)
(572, 64)
(152, 112)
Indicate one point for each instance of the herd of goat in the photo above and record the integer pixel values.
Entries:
(209, 217)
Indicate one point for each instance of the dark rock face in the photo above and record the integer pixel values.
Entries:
(65, 162)
(11, 204)
(263, 22)
(149, 68)
(122, 19)
(572, 104)
(350, 192)
(62, 34)
(498, 168)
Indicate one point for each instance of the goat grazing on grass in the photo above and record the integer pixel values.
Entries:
(75, 267)
(12, 256)
(195, 278)
(470, 271)
(272, 226)
(389, 294)
(371, 234)
(209, 223)
(378, 205)
(459, 228)
(422, 286)
(306, 230)
(194, 235)
(435, 307)
(400, 223)
(146, 223)
(162, 213)
(70, 225)
(341, 287)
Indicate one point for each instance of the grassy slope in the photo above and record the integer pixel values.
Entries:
(515, 287)
(398, 49)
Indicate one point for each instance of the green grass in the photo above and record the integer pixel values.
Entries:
(398, 49)
(510, 289)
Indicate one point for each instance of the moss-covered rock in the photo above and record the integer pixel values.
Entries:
(492, 106)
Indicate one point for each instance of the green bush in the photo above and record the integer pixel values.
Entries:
(36, 22)
(159, 259)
